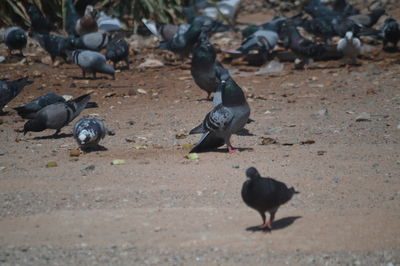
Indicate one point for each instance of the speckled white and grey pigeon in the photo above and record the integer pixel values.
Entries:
(265, 194)
(350, 46)
(29, 110)
(225, 119)
(88, 132)
(15, 38)
(205, 69)
(10, 89)
(91, 62)
(57, 115)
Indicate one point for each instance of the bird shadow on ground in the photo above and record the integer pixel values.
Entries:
(96, 148)
(244, 132)
(238, 149)
(2, 113)
(59, 136)
(88, 78)
(277, 225)
(393, 49)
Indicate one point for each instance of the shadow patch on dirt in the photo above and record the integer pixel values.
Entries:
(277, 225)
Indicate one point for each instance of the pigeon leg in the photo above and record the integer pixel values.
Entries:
(230, 147)
(94, 75)
(9, 54)
(208, 96)
(83, 73)
(127, 62)
(56, 133)
(266, 224)
(22, 54)
(115, 65)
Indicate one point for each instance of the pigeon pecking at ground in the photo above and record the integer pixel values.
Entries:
(87, 23)
(205, 69)
(265, 194)
(88, 132)
(29, 110)
(91, 62)
(56, 115)
(350, 46)
(227, 118)
(15, 38)
(117, 51)
(10, 89)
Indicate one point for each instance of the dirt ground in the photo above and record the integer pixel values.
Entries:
(163, 209)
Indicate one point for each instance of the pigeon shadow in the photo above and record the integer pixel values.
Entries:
(59, 136)
(88, 78)
(392, 49)
(2, 113)
(94, 149)
(277, 225)
(244, 132)
(225, 150)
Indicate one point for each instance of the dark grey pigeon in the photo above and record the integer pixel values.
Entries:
(265, 194)
(368, 20)
(29, 110)
(225, 119)
(88, 132)
(205, 69)
(15, 38)
(57, 115)
(91, 62)
(10, 89)
(390, 32)
(117, 51)
(39, 23)
(52, 44)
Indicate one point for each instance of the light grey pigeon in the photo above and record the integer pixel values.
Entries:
(262, 41)
(87, 23)
(265, 194)
(205, 69)
(15, 38)
(91, 62)
(225, 119)
(88, 132)
(107, 23)
(350, 46)
(57, 115)
(10, 89)
(95, 41)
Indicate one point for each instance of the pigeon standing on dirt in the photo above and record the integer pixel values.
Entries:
(15, 38)
(265, 194)
(91, 62)
(205, 69)
(52, 44)
(303, 48)
(350, 46)
(390, 32)
(39, 23)
(71, 18)
(225, 119)
(117, 51)
(87, 23)
(88, 132)
(10, 89)
(29, 110)
(56, 115)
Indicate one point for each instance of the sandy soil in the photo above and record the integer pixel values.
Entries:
(163, 209)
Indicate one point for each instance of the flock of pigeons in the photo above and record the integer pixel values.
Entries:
(90, 34)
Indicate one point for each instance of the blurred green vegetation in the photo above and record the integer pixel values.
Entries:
(14, 12)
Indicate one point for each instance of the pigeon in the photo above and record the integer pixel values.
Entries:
(262, 40)
(88, 132)
(300, 46)
(225, 119)
(182, 43)
(320, 27)
(108, 24)
(368, 20)
(165, 31)
(71, 18)
(29, 110)
(94, 41)
(56, 115)
(117, 51)
(39, 23)
(345, 7)
(10, 89)
(87, 23)
(52, 44)
(205, 69)
(15, 38)
(91, 62)
(390, 32)
(350, 46)
(316, 9)
(265, 194)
